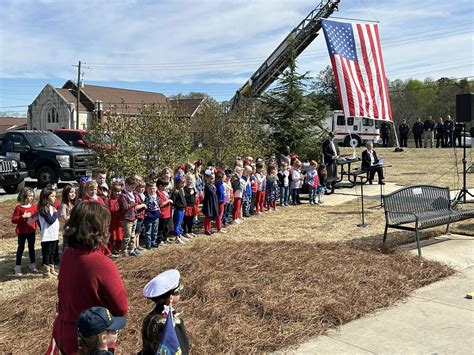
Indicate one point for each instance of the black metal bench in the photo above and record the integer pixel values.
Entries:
(420, 207)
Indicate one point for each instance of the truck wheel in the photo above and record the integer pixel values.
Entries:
(14, 189)
(46, 175)
(352, 141)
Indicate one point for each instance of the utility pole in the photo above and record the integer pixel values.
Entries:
(78, 93)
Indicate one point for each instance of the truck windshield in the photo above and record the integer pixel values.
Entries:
(39, 139)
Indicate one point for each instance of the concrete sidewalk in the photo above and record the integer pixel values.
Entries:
(436, 319)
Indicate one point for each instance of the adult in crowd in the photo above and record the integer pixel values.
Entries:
(428, 127)
(371, 163)
(418, 132)
(87, 277)
(458, 128)
(164, 291)
(448, 131)
(404, 129)
(439, 131)
(330, 155)
(385, 133)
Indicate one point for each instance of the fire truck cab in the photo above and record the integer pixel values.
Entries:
(353, 131)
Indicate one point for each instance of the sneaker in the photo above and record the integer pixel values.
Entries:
(321, 202)
(208, 233)
(189, 236)
(185, 238)
(179, 241)
(140, 248)
(154, 245)
(237, 221)
(133, 253)
(17, 270)
(33, 268)
(194, 235)
(223, 231)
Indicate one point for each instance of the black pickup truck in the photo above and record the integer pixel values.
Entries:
(47, 157)
(12, 175)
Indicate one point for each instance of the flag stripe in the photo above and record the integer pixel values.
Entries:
(357, 62)
(384, 77)
(341, 88)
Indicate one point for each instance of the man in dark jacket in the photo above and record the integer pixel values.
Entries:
(404, 129)
(331, 153)
(439, 130)
(458, 128)
(448, 131)
(371, 163)
(418, 132)
(385, 133)
(429, 126)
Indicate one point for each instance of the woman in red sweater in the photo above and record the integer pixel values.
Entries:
(24, 216)
(87, 277)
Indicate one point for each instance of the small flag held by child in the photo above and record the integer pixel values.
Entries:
(169, 343)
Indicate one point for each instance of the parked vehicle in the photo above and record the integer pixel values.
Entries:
(82, 138)
(12, 174)
(47, 157)
(353, 131)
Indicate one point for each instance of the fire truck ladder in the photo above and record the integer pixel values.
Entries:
(301, 37)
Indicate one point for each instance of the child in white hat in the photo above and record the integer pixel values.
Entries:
(164, 290)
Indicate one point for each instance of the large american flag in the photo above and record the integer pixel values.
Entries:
(357, 62)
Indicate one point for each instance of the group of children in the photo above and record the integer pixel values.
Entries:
(165, 207)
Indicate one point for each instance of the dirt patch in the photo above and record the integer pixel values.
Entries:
(245, 296)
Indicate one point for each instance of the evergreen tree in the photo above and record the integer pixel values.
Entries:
(293, 116)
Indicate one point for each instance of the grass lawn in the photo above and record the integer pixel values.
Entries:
(270, 283)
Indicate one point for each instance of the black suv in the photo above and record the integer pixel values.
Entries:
(12, 175)
(47, 157)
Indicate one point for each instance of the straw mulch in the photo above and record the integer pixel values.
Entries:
(244, 296)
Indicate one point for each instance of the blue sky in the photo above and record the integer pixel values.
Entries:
(212, 46)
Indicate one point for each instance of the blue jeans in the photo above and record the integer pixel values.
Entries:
(227, 216)
(151, 231)
(284, 195)
(178, 216)
(312, 194)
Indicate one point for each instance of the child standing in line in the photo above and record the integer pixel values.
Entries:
(284, 183)
(128, 207)
(227, 217)
(49, 224)
(165, 209)
(312, 180)
(24, 216)
(179, 205)
(296, 181)
(91, 193)
(116, 233)
(261, 186)
(271, 187)
(221, 197)
(68, 200)
(246, 190)
(254, 186)
(322, 175)
(210, 206)
(192, 205)
(102, 187)
(140, 213)
(237, 190)
(152, 215)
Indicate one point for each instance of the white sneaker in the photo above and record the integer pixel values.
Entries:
(179, 240)
(222, 231)
(17, 270)
(193, 235)
(237, 221)
(33, 268)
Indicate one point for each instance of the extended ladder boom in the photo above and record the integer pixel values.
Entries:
(302, 35)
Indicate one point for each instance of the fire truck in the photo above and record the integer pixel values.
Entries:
(352, 131)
